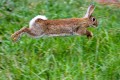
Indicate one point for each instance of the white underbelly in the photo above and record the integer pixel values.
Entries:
(63, 34)
(53, 35)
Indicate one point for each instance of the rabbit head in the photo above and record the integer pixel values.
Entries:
(92, 20)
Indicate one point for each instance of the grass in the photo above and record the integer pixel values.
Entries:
(59, 58)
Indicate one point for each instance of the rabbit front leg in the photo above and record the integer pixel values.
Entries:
(83, 31)
(18, 33)
(89, 34)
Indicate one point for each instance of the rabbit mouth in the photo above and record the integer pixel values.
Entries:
(94, 26)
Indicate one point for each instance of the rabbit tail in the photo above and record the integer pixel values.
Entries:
(32, 22)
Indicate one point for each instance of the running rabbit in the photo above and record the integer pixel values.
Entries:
(40, 26)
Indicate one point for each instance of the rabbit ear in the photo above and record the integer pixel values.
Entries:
(89, 11)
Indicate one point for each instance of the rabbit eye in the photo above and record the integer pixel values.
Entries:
(93, 19)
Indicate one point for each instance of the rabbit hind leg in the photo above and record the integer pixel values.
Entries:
(18, 33)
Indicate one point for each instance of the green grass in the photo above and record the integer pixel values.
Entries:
(59, 58)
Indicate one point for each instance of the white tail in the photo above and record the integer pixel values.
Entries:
(31, 23)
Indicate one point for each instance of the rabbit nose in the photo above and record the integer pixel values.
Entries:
(95, 24)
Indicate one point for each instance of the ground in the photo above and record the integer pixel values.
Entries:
(59, 58)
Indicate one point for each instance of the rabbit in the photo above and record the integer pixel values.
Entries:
(40, 26)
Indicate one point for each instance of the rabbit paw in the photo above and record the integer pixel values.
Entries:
(89, 34)
(14, 37)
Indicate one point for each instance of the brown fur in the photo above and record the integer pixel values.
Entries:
(63, 25)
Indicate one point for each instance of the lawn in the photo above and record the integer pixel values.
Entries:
(59, 58)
